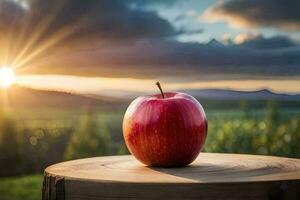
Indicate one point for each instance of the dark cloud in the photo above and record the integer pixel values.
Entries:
(170, 58)
(116, 19)
(103, 19)
(275, 42)
(267, 13)
(37, 25)
(78, 21)
(11, 14)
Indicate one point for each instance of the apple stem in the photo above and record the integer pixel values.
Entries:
(161, 91)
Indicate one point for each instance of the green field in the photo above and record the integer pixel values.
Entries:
(21, 188)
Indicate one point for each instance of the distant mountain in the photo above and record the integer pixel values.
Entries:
(221, 94)
(216, 94)
(18, 96)
(214, 43)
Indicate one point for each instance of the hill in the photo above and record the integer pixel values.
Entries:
(18, 96)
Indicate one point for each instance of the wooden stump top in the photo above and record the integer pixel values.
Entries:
(210, 171)
(208, 168)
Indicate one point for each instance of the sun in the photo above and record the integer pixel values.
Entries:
(7, 77)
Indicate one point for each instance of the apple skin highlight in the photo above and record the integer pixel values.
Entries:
(165, 132)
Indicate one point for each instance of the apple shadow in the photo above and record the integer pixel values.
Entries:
(209, 172)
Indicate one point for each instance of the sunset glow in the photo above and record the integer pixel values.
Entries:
(121, 86)
(7, 77)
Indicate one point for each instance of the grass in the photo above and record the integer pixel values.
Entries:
(21, 188)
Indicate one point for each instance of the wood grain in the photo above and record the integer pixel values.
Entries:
(211, 176)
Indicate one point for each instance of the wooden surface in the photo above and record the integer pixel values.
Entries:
(211, 176)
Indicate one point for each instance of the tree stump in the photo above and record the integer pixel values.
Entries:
(211, 177)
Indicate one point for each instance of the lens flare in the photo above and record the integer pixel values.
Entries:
(7, 77)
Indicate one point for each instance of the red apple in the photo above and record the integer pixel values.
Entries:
(165, 130)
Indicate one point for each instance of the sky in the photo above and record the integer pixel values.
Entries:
(97, 46)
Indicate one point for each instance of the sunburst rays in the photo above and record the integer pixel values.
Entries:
(22, 44)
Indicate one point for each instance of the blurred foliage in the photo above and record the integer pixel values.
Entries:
(28, 150)
(29, 145)
(10, 146)
(270, 135)
(91, 138)
(21, 188)
(123, 150)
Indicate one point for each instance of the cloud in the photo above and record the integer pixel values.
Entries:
(284, 15)
(243, 37)
(80, 19)
(104, 19)
(153, 59)
(11, 13)
(276, 42)
(41, 26)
